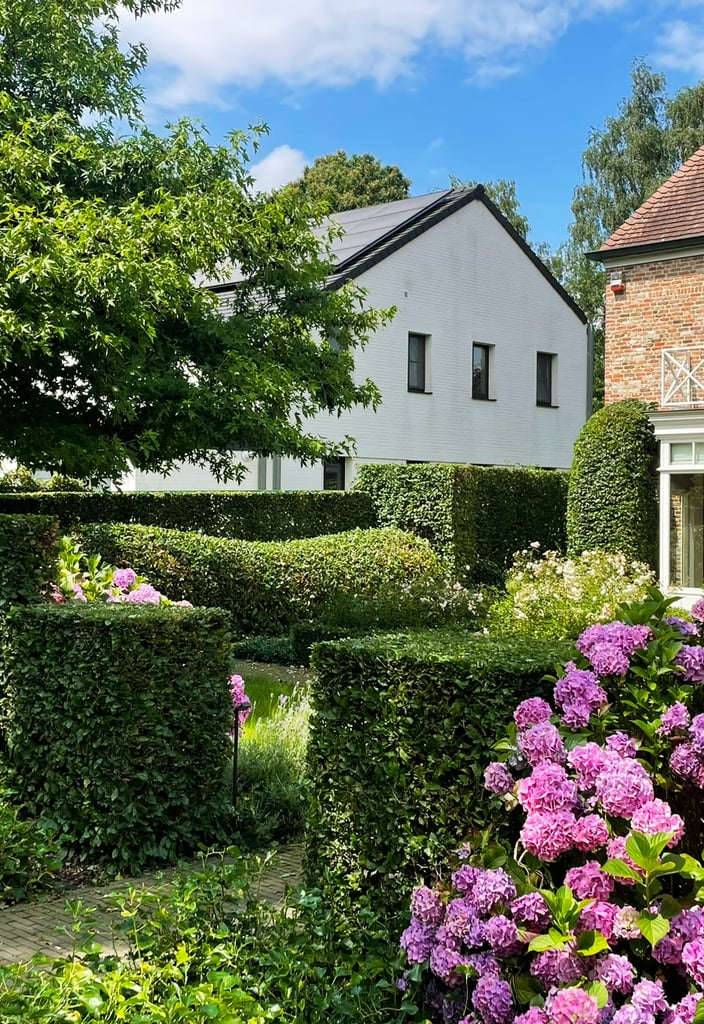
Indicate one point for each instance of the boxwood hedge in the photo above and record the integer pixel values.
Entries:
(28, 553)
(402, 729)
(243, 515)
(116, 722)
(475, 517)
(266, 587)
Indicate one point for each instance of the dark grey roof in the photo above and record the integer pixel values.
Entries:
(372, 233)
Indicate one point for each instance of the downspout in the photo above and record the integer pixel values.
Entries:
(590, 370)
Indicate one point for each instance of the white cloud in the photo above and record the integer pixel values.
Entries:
(681, 46)
(282, 165)
(208, 46)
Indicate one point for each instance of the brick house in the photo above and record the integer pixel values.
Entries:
(654, 329)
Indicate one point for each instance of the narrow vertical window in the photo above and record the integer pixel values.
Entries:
(416, 362)
(544, 379)
(480, 371)
(334, 475)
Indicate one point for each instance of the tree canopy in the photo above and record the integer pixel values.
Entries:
(347, 182)
(503, 194)
(110, 352)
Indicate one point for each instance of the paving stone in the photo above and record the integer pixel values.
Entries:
(48, 927)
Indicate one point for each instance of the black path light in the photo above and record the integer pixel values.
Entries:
(242, 706)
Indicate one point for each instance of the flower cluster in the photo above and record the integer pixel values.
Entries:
(604, 930)
(240, 698)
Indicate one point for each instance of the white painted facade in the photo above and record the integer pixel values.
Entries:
(463, 281)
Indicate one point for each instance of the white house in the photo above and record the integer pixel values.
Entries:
(485, 362)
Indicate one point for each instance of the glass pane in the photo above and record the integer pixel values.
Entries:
(480, 371)
(334, 475)
(699, 452)
(416, 362)
(681, 452)
(544, 379)
(687, 529)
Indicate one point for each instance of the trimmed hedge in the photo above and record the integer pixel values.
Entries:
(612, 500)
(116, 720)
(241, 515)
(475, 517)
(402, 729)
(29, 547)
(266, 587)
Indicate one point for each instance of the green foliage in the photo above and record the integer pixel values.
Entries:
(277, 650)
(29, 548)
(206, 949)
(272, 756)
(29, 854)
(112, 354)
(344, 182)
(267, 586)
(612, 497)
(555, 598)
(23, 481)
(244, 515)
(402, 727)
(475, 517)
(116, 720)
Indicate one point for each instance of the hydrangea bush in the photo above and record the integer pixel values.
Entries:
(86, 578)
(549, 596)
(597, 915)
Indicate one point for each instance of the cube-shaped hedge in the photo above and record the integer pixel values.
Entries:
(116, 719)
(29, 548)
(402, 729)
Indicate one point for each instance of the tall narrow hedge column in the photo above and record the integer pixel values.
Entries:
(117, 720)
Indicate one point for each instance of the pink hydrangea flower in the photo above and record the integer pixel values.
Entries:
(617, 973)
(590, 833)
(686, 762)
(693, 960)
(426, 904)
(547, 836)
(656, 816)
(239, 696)
(599, 916)
(691, 661)
(542, 742)
(622, 744)
(145, 593)
(572, 1006)
(531, 712)
(589, 882)
(697, 610)
(649, 997)
(547, 789)
(502, 935)
(589, 761)
(621, 790)
(124, 578)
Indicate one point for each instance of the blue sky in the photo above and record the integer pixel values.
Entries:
(481, 89)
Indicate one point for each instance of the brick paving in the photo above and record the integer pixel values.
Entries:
(47, 927)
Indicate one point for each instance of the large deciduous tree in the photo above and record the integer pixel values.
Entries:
(110, 353)
(346, 182)
(623, 164)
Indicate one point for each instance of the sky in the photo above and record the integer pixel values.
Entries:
(480, 89)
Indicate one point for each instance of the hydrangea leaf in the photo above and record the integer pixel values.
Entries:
(590, 943)
(620, 869)
(653, 927)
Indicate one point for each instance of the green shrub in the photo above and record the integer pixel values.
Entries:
(266, 587)
(475, 517)
(556, 598)
(277, 650)
(29, 549)
(240, 515)
(402, 727)
(612, 500)
(29, 854)
(116, 721)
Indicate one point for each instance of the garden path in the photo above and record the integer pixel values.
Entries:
(47, 927)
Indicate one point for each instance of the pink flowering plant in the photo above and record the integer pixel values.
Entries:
(87, 578)
(597, 915)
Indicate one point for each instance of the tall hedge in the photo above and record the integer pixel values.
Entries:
(267, 587)
(401, 732)
(116, 720)
(28, 554)
(242, 515)
(612, 498)
(475, 517)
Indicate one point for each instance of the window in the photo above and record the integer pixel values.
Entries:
(480, 371)
(416, 361)
(334, 475)
(543, 378)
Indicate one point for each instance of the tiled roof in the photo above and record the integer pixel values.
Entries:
(673, 214)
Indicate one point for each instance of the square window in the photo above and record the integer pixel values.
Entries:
(334, 475)
(480, 371)
(681, 451)
(544, 378)
(417, 344)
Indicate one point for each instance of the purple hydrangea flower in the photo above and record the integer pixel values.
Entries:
(697, 733)
(649, 997)
(622, 744)
(459, 917)
(599, 916)
(493, 889)
(548, 835)
(531, 911)
(542, 742)
(691, 661)
(609, 660)
(576, 715)
(531, 712)
(484, 964)
(124, 578)
(557, 967)
(669, 950)
(627, 638)
(683, 626)
(427, 905)
(498, 779)
(443, 963)
(579, 686)
(547, 789)
(686, 762)
(683, 1012)
(144, 594)
(418, 940)
(676, 717)
(697, 610)
(502, 935)
(688, 924)
(693, 960)
(464, 878)
(533, 1015)
(492, 998)
(617, 973)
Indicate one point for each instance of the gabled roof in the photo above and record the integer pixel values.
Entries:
(372, 233)
(672, 218)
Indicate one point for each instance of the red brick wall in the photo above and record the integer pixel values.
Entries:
(661, 307)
